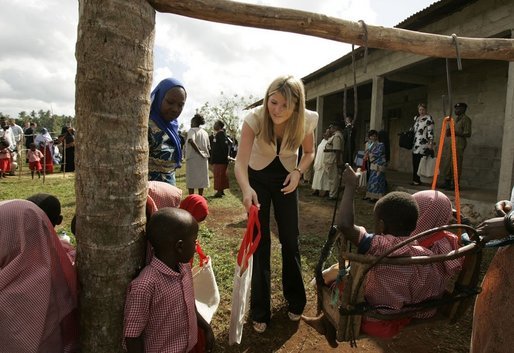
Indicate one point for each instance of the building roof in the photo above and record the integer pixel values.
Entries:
(431, 14)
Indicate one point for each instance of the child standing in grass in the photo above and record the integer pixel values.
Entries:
(160, 311)
(34, 156)
(5, 157)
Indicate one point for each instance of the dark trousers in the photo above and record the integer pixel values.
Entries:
(416, 159)
(267, 184)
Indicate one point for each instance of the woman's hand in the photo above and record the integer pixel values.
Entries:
(250, 198)
(291, 182)
(502, 208)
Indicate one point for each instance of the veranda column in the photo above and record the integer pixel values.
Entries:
(377, 102)
(319, 129)
(507, 154)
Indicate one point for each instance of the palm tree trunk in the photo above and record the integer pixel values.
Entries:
(114, 55)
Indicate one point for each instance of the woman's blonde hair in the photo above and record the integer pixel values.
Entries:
(293, 91)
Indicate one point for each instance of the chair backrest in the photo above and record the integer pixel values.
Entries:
(453, 304)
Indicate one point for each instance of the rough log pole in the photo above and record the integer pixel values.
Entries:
(322, 26)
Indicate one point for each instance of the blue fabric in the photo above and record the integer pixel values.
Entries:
(170, 128)
(164, 177)
(377, 184)
(496, 243)
(365, 243)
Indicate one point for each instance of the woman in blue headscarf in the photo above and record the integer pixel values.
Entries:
(168, 100)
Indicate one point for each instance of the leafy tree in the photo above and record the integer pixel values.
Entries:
(228, 109)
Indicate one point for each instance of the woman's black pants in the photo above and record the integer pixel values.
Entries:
(267, 184)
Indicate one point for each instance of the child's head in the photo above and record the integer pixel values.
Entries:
(396, 213)
(196, 205)
(435, 210)
(172, 233)
(32, 146)
(373, 135)
(50, 205)
(3, 143)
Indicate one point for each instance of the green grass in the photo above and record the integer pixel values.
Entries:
(63, 187)
(218, 239)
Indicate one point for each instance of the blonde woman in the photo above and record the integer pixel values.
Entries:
(267, 171)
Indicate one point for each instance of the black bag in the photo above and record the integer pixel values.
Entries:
(407, 139)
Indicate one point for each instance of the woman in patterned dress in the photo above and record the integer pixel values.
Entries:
(423, 140)
(375, 154)
(165, 152)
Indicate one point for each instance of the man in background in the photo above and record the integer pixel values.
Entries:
(334, 156)
(462, 133)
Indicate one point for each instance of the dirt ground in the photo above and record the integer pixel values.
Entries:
(286, 336)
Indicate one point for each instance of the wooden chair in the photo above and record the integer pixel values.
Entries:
(345, 315)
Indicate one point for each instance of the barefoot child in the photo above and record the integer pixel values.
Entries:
(34, 156)
(160, 312)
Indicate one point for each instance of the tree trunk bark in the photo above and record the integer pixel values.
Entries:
(114, 55)
(322, 26)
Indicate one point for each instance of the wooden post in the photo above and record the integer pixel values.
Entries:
(322, 26)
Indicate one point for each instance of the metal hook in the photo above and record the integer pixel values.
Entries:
(459, 62)
(365, 28)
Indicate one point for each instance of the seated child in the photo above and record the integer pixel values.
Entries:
(5, 157)
(435, 210)
(52, 208)
(34, 156)
(160, 311)
(390, 287)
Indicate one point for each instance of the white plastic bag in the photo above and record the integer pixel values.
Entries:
(243, 277)
(207, 295)
(426, 167)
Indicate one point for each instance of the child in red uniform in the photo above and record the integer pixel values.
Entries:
(389, 286)
(160, 312)
(5, 157)
(34, 156)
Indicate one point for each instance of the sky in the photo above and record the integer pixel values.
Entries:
(37, 51)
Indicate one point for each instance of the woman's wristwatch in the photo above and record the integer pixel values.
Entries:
(508, 221)
(298, 170)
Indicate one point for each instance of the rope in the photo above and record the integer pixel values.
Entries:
(355, 98)
(455, 42)
(345, 98)
(449, 120)
(365, 28)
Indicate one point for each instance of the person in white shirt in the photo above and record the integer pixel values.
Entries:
(7, 133)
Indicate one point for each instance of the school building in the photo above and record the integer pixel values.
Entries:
(393, 84)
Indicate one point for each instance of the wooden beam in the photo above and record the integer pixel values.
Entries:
(322, 26)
